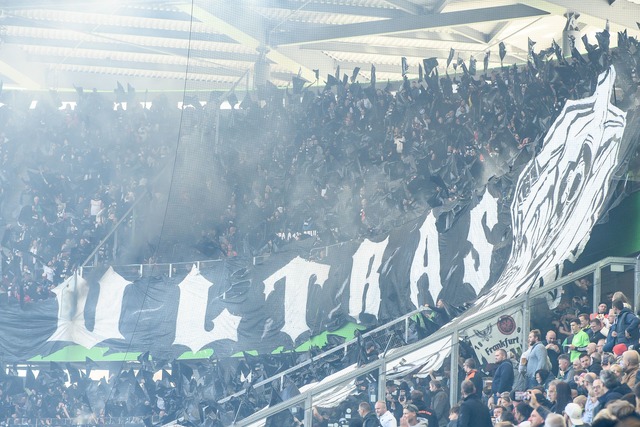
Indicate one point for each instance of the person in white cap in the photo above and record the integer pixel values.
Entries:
(573, 415)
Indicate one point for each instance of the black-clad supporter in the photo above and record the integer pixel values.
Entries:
(544, 378)
(392, 399)
(369, 418)
(553, 350)
(473, 413)
(439, 402)
(503, 376)
(595, 330)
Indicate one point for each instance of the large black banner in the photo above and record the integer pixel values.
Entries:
(455, 252)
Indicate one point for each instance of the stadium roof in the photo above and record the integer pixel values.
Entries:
(155, 45)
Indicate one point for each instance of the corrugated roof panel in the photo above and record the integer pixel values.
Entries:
(278, 15)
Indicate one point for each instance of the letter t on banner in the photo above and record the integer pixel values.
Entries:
(296, 273)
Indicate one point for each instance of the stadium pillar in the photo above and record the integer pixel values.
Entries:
(597, 288)
(453, 376)
(636, 285)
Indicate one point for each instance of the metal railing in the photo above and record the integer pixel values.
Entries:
(343, 382)
(78, 421)
(344, 348)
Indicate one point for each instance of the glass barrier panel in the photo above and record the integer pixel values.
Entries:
(617, 278)
(290, 416)
(554, 310)
(338, 405)
(420, 362)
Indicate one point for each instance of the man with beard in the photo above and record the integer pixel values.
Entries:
(534, 359)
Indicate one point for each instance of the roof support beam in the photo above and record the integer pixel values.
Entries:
(394, 52)
(21, 79)
(439, 7)
(473, 34)
(592, 12)
(374, 12)
(497, 31)
(245, 33)
(409, 23)
(407, 6)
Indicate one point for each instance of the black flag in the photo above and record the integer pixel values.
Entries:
(429, 65)
(298, 84)
(486, 61)
(462, 65)
(558, 51)
(503, 52)
(332, 81)
(405, 66)
(450, 58)
(419, 73)
(603, 40)
(373, 75)
(530, 45)
(355, 73)
(121, 95)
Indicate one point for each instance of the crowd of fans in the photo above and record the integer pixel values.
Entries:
(586, 376)
(68, 176)
(335, 164)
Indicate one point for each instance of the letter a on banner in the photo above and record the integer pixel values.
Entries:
(429, 251)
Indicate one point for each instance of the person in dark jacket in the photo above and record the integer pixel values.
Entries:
(369, 418)
(608, 388)
(544, 378)
(624, 329)
(439, 402)
(473, 413)
(503, 377)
